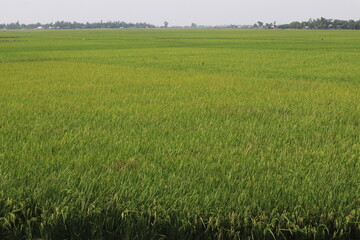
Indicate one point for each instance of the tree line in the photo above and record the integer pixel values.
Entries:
(319, 23)
(76, 25)
(322, 23)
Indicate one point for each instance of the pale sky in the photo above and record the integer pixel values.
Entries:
(177, 12)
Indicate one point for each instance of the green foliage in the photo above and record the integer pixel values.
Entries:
(179, 134)
(77, 25)
(323, 23)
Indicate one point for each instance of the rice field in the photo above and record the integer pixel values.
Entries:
(180, 134)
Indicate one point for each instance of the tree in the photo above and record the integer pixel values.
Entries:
(295, 24)
(166, 24)
(268, 25)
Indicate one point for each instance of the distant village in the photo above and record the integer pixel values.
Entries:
(319, 23)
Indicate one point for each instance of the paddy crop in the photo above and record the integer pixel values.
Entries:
(179, 134)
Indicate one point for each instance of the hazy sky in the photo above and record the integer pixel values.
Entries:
(177, 12)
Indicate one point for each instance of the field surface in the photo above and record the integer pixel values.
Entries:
(179, 134)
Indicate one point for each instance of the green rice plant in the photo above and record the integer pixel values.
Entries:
(180, 134)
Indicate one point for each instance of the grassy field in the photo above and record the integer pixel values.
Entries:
(179, 134)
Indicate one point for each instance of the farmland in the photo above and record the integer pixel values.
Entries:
(180, 134)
